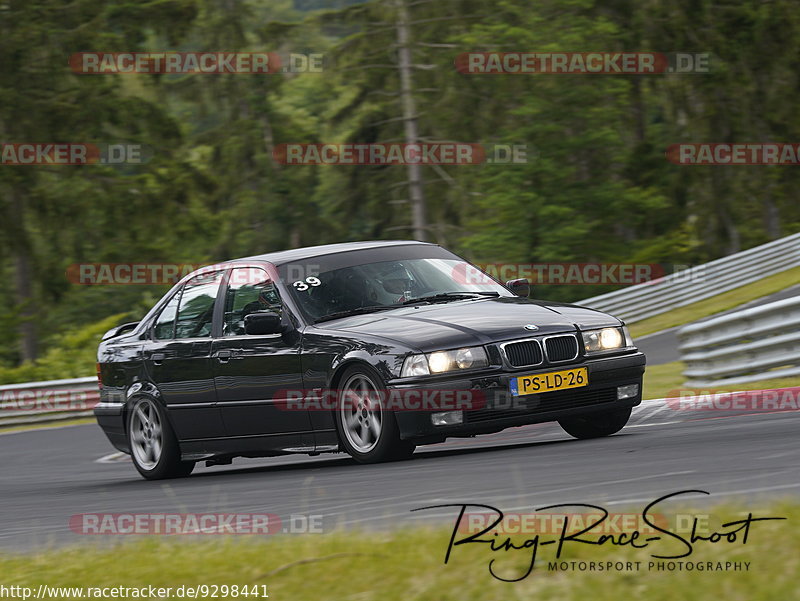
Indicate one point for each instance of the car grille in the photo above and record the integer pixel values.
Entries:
(523, 354)
(542, 403)
(561, 348)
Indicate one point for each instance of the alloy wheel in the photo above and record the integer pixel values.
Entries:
(361, 412)
(146, 434)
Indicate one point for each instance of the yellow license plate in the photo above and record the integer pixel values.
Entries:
(550, 381)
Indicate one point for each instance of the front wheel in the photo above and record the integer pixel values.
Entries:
(154, 447)
(596, 424)
(367, 431)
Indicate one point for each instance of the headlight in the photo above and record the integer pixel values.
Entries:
(415, 365)
(443, 361)
(595, 341)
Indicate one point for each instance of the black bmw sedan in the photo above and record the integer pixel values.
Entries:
(371, 348)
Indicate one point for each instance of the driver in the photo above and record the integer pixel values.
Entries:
(399, 282)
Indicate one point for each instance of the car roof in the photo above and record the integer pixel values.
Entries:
(299, 254)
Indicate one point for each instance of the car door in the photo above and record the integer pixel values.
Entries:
(250, 369)
(178, 358)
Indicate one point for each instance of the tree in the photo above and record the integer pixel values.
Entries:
(41, 100)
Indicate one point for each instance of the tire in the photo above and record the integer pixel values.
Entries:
(596, 425)
(154, 447)
(367, 432)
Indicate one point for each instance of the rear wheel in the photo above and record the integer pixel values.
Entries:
(596, 424)
(154, 447)
(367, 431)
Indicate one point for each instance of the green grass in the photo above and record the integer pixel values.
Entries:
(661, 381)
(716, 304)
(406, 565)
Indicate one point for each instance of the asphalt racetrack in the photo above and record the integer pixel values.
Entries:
(48, 476)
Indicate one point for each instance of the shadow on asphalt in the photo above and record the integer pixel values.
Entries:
(340, 462)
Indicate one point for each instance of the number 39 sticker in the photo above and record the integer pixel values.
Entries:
(305, 285)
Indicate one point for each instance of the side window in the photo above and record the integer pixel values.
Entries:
(249, 290)
(165, 324)
(196, 310)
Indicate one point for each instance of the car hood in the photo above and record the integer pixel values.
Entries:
(471, 322)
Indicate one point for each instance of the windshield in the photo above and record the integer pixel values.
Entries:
(384, 284)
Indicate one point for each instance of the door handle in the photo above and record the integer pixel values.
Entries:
(224, 356)
(157, 358)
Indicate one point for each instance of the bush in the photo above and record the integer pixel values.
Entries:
(72, 355)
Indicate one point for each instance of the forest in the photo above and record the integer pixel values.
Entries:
(595, 184)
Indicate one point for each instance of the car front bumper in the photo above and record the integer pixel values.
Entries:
(498, 409)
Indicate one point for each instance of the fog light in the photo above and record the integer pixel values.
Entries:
(447, 418)
(627, 392)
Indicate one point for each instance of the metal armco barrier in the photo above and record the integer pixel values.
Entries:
(746, 346)
(52, 400)
(683, 288)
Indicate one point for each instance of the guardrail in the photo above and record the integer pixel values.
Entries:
(746, 346)
(683, 288)
(48, 401)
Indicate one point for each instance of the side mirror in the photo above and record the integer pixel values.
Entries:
(520, 287)
(262, 322)
(114, 332)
